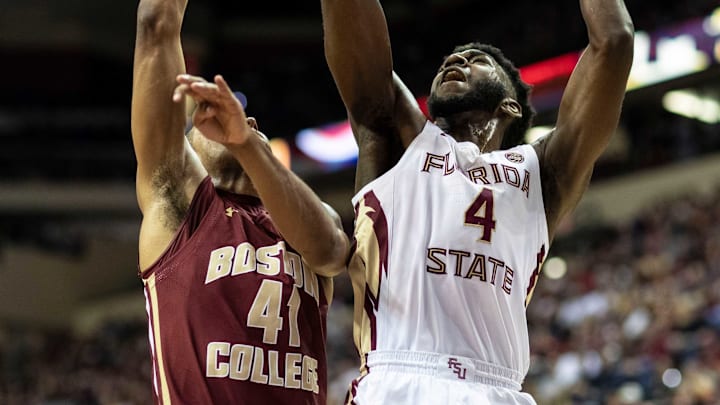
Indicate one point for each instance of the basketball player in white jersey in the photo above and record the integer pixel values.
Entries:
(450, 240)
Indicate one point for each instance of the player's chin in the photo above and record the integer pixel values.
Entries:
(227, 163)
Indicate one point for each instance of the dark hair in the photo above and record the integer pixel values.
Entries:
(516, 131)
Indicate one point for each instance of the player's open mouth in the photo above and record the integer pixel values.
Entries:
(454, 75)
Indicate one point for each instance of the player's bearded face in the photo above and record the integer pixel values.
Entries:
(226, 162)
(214, 157)
(485, 96)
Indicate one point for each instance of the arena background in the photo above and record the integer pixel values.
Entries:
(627, 310)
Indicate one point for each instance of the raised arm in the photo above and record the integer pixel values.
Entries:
(310, 226)
(157, 123)
(379, 105)
(168, 172)
(590, 107)
(357, 49)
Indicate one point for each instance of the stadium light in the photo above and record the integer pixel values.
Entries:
(672, 378)
(555, 268)
(690, 104)
(711, 25)
(332, 144)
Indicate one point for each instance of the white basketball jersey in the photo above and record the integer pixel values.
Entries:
(449, 243)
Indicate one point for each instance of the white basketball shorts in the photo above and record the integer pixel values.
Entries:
(397, 377)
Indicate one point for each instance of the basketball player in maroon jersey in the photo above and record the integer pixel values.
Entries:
(235, 252)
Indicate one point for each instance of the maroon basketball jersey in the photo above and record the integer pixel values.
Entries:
(235, 315)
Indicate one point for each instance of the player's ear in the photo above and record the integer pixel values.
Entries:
(510, 107)
(253, 123)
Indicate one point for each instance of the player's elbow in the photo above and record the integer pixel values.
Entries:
(158, 19)
(617, 42)
(331, 259)
(622, 38)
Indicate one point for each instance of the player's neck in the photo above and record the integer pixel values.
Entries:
(236, 184)
(480, 128)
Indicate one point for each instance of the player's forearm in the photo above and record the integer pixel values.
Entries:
(357, 50)
(298, 213)
(158, 59)
(609, 25)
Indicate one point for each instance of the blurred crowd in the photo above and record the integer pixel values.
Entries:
(637, 317)
(111, 367)
(634, 319)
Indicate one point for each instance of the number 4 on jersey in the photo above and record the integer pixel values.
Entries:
(265, 312)
(481, 214)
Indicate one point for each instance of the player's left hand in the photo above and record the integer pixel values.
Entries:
(219, 115)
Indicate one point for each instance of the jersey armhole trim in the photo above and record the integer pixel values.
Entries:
(166, 256)
(413, 145)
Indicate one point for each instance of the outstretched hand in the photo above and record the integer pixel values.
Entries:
(218, 115)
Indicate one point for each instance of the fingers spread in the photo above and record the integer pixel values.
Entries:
(202, 91)
(185, 86)
(223, 86)
(208, 91)
(179, 92)
(189, 79)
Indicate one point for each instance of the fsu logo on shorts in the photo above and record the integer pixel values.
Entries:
(514, 157)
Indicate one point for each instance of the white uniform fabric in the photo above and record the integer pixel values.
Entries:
(427, 378)
(449, 243)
